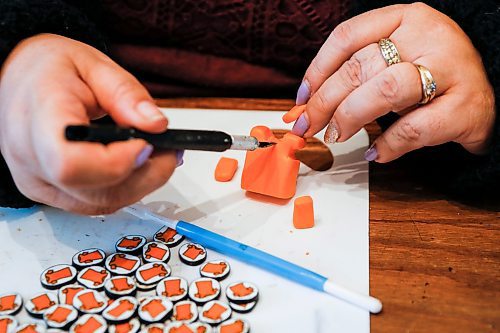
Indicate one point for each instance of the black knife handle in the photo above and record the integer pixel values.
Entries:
(171, 139)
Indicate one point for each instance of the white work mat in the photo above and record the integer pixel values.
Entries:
(337, 246)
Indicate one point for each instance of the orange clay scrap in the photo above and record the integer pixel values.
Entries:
(272, 171)
(303, 213)
(294, 113)
(225, 169)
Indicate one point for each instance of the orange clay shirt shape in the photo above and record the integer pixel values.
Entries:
(225, 169)
(272, 171)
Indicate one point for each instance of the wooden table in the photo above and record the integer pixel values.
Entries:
(434, 262)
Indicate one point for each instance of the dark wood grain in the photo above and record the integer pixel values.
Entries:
(434, 262)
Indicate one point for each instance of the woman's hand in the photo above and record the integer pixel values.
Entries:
(49, 82)
(349, 84)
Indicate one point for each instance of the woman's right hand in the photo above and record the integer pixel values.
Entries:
(49, 82)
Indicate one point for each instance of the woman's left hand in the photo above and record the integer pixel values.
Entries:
(349, 84)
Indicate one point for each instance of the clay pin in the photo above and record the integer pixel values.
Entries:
(204, 290)
(88, 257)
(89, 301)
(57, 276)
(150, 274)
(131, 244)
(185, 311)
(242, 292)
(60, 316)
(89, 323)
(215, 312)
(37, 305)
(10, 304)
(215, 269)
(173, 288)
(234, 326)
(93, 277)
(121, 310)
(192, 254)
(122, 264)
(155, 251)
(168, 236)
(132, 326)
(154, 309)
(119, 286)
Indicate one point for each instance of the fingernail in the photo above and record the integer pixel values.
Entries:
(371, 154)
(301, 125)
(332, 132)
(143, 156)
(303, 94)
(149, 111)
(180, 157)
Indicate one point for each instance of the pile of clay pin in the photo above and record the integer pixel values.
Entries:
(134, 290)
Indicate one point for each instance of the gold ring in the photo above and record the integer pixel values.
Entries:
(428, 84)
(389, 51)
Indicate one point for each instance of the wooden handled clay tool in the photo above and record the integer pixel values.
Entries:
(170, 139)
(259, 259)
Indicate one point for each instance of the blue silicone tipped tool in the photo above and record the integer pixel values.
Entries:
(259, 259)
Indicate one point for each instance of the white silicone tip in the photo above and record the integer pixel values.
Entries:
(366, 302)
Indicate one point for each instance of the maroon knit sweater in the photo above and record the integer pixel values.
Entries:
(219, 48)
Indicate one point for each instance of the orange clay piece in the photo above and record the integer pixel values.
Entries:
(183, 312)
(70, 294)
(154, 307)
(4, 324)
(240, 290)
(303, 213)
(173, 288)
(294, 113)
(235, 327)
(225, 169)
(91, 325)
(7, 302)
(123, 328)
(42, 302)
(272, 171)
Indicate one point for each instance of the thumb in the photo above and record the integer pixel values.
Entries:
(121, 95)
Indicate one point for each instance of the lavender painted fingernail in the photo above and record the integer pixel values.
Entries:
(301, 125)
(371, 154)
(179, 154)
(143, 156)
(303, 94)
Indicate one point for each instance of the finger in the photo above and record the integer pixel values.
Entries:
(122, 96)
(349, 37)
(397, 88)
(362, 66)
(141, 182)
(42, 192)
(429, 125)
(79, 164)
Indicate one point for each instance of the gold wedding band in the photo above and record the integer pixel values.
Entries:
(428, 84)
(389, 51)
